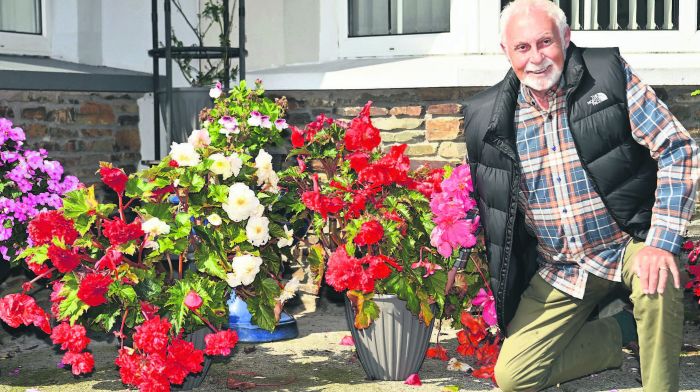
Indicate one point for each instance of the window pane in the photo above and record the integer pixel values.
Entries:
(20, 16)
(395, 17)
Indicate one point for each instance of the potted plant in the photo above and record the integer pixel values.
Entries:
(29, 183)
(156, 268)
(381, 247)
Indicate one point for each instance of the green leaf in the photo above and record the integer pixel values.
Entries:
(218, 193)
(71, 307)
(263, 314)
(79, 202)
(107, 318)
(37, 253)
(210, 262)
(84, 222)
(157, 210)
(122, 291)
(184, 225)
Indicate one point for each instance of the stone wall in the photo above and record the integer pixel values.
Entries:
(78, 129)
(429, 120)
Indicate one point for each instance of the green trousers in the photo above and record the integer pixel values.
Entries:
(550, 339)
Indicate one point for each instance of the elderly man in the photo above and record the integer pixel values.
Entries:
(585, 183)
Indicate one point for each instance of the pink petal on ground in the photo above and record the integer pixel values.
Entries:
(347, 341)
(414, 380)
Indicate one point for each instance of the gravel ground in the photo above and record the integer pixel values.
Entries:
(315, 361)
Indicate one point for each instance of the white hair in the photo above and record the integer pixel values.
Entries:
(527, 6)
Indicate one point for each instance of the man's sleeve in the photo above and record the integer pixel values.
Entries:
(654, 127)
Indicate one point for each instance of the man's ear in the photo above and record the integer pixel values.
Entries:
(567, 37)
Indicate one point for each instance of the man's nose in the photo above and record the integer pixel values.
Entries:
(536, 56)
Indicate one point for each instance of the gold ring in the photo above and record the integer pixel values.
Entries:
(663, 269)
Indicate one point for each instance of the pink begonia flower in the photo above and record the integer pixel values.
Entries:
(229, 124)
(447, 210)
(199, 138)
(430, 268)
(446, 238)
(216, 91)
(459, 184)
(258, 120)
(485, 299)
(281, 124)
(192, 300)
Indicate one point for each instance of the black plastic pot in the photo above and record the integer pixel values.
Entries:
(195, 380)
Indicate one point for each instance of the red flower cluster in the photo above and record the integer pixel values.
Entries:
(93, 288)
(390, 169)
(220, 343)
(348, 273)
(113, 177)
(111, 259)
(693, 268)
(118, 232)
(361, 134)
(73, 339)
(303, 136)
(316, 201)
(370, 233)
(16, 309)
(431, 183)
(49, 224)
(437, 352)
(65, 260)
(473, 342)
(155, 362)
(56, 287)
(80, 362)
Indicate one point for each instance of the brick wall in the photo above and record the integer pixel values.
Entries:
(78, 129)
(429, 119)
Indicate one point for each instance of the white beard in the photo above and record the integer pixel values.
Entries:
(542, 82)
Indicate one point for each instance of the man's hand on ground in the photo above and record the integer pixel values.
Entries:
(653, 265)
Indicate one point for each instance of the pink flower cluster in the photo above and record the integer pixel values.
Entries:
(450, 209)
(30, 183)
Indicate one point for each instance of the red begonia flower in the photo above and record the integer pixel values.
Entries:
(80, 363)
(361, 134)
(370, 233)
(113, 177)
(65, 260)
(93, 288)
(16, 309)
(152, 335)
(118, 232)
(49, 224)
(437, 352)
(220, 343)
(71, 338)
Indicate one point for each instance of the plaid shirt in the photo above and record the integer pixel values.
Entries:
(576, 234)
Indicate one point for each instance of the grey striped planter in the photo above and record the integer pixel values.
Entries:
(394, 345)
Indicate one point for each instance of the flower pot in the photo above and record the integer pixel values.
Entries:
(241, 321)
(195, 380)
(394, 345)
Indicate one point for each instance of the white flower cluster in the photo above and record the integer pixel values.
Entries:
(265, 173)
(245, 268)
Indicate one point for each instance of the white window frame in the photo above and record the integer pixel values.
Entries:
(29, 44)
(684, 40)
(460, 38)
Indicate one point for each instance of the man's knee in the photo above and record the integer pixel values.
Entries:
(513, 378)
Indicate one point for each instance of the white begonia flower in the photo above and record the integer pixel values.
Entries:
(214, 219)
(259, 211)
(151, 245)
(155, 227)
(258, 230)
(288, 239)
(265, 173)
(206, 124)
(241, 203)
(236, 163)
(199, 138)
(184, 154)
(245, 268)
(215, 92)
(456, 366)
(221, 165)
(289, 290)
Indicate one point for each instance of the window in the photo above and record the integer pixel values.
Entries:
(619, 14)
(20, 16)
(397, 17)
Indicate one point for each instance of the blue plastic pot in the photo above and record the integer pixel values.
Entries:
(240, 320)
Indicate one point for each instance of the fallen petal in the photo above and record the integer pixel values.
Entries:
(347, 341)
(414, 380)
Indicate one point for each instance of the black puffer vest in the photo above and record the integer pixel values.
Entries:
(622, 171)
